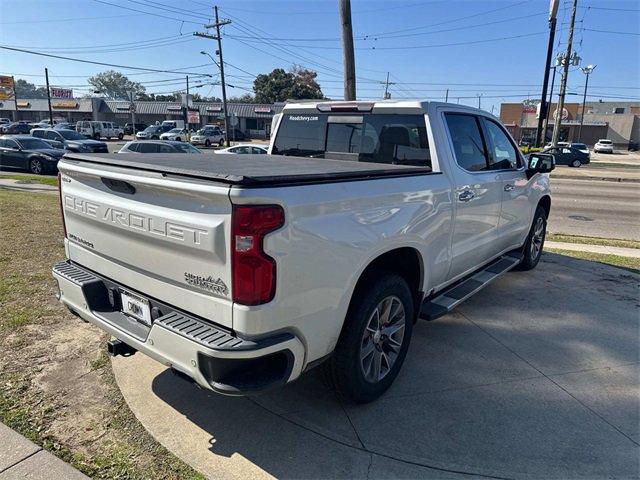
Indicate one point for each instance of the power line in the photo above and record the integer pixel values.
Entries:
(611, 31)
(93, 62)
(147, 13)
(611, 9)
(56, 20)
(171, 9)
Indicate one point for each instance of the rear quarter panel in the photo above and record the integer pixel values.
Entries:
(332, 232)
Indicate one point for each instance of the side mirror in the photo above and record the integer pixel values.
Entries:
(540, 163)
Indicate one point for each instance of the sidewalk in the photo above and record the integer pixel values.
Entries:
(602, 249)
(606, 174)
(21, 458)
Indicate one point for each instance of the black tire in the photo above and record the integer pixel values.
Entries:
(207, 143)
(345, 370)
(576, 163)
(221, 143)
(120, 136)
(96, 136)
(531, 256)
(36, 166)
(178, 139)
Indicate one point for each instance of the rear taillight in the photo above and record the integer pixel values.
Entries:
(64, 225)
(254, 272)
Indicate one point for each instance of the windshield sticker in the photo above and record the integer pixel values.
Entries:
(303, 118)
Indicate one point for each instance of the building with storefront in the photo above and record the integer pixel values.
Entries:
(617, 121)
(252, 119)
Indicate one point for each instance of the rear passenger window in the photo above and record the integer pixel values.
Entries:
(503, 153)
(147, 148)
(38, 134)
(52, 135)
(467, 141)
(165, 149)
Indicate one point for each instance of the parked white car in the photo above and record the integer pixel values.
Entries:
(207, 136)
(98, 130)
(244, 149)
(176, 134)
(603, 146)
(242, 275)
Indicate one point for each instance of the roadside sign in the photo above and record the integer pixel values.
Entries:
(6, 81)
(193, 116)
(64, 93)
(234, 120)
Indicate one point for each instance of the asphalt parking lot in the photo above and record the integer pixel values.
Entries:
(535, 377)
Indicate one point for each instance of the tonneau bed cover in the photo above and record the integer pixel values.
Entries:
(251, 170)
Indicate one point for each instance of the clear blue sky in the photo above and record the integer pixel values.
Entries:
(411, 39)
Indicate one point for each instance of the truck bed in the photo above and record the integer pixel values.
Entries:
(252, 170)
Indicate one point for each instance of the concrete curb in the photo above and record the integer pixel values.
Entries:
(602, 249)
(21, 458)
(592, 177)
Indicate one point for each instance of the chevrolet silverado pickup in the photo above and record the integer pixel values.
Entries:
(242, 272)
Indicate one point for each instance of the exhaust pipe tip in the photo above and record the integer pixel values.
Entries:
(117, 347)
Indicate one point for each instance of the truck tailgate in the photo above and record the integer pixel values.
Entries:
(159, 236)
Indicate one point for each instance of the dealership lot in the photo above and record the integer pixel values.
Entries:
(511, 389)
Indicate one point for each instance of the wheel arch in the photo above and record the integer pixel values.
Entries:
(407, 262)
(545, 203)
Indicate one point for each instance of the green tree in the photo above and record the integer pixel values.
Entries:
(25, 89)
(115, 85)
(278, 86)
(246, 98)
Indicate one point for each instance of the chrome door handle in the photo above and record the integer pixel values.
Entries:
(509, 187)
(466, 195)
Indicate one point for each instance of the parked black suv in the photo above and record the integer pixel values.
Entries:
(128, 128)
(69, 140)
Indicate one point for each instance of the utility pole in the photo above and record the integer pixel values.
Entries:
(186, 107)
(587, 71)
(553, 13)
(446, 96)
(387, 95)
(479, 97)
(132, 109)
(46, 76)
(217, 37)
(566, 61)
(15, 98)
(545, 126)
(348, 59)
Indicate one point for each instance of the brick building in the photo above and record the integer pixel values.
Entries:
(617, 121)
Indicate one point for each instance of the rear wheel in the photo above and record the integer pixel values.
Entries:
(36, 167)
(178, 139)
(532, 249)
(221, 143)
(374, 340)
(120, 136)
(207, 143)
(576, 163)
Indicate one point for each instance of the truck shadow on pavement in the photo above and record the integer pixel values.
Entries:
(535, 377)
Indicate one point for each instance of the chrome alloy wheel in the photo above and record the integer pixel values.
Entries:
(382, 339)
(536, 239)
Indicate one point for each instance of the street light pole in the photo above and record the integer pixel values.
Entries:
(545, 126)
(587, 71)
(543, 115)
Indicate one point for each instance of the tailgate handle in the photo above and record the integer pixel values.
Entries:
(118, 185)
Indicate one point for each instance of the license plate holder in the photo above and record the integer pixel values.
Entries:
(136, 307)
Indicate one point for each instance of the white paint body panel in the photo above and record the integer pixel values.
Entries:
(332, 232)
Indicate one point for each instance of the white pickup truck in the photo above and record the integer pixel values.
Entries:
(241, 272)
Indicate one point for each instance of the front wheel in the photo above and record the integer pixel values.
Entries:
(120, 136)
(374, 339)
(207, 143)
(178, 139)
(221, 143)
(36, 167)
(532, 249)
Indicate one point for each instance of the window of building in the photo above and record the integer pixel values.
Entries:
(468, 144)
(619, 110)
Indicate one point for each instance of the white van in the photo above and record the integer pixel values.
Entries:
(173, 124)
(98, 130)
